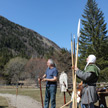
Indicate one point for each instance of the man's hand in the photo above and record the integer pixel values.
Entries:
(76, 68)
(39, 79)
(52, 80)
(44, 79)
(73, 67)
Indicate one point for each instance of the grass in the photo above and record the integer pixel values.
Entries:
(3, 103)
(35, 94)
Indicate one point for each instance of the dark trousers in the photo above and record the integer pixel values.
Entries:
(71, 105)
(50, 94)
(91, 105)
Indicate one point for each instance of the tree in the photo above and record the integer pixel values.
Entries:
(5, 56)
(14, 69)
(64, 63)
(35, 68)
(94, 39)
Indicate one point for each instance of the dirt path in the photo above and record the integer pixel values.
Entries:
(21, 101)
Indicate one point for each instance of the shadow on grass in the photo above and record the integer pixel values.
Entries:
(3, 106)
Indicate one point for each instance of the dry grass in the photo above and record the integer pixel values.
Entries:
(4, 103)
(35, 93)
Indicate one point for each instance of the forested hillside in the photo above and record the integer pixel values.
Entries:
(24, 52)
(18, 45)
(16, 40)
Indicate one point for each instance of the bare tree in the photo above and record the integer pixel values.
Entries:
(35, 68)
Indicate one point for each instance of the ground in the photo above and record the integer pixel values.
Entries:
(21, 101)
(28, 98)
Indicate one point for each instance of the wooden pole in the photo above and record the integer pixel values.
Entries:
(66, 104)
(76, 61)
(75, 74)
(41, 94)
(64, 93)
(64, 98)
(75, 91)
(16, 90)
(77, 53)
(73, 79)
(66, 88)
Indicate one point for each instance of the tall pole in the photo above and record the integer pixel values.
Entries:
(41, 93)
(64, 98)
(75, 91)
(76, 61)
(73, 99)
(64, 93)
(74, 64)
(78, 34)
(72, 58)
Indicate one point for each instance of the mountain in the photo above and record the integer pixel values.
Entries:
(16, 40)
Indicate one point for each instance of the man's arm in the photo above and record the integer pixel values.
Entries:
(85, 76)
(44, 76)
(52, 80)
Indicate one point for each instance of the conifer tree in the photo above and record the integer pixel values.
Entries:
(94, 39)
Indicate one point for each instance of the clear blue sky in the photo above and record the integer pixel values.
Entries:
(54, 19)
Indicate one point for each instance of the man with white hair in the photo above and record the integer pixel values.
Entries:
(51, 84)
(89, 77)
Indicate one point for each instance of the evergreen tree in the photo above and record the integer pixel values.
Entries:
(94, 39)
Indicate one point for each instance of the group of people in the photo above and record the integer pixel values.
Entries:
(89, 77)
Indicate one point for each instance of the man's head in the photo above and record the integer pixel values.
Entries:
(50, 63)
(91, 59)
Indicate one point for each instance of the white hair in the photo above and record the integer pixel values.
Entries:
(51, 62)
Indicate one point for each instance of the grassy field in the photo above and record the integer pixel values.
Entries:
(35, 94)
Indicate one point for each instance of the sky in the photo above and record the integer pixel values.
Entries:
(53, 19)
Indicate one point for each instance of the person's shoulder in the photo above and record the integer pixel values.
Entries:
(47, 69)
(92, 68)
(55, 69)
